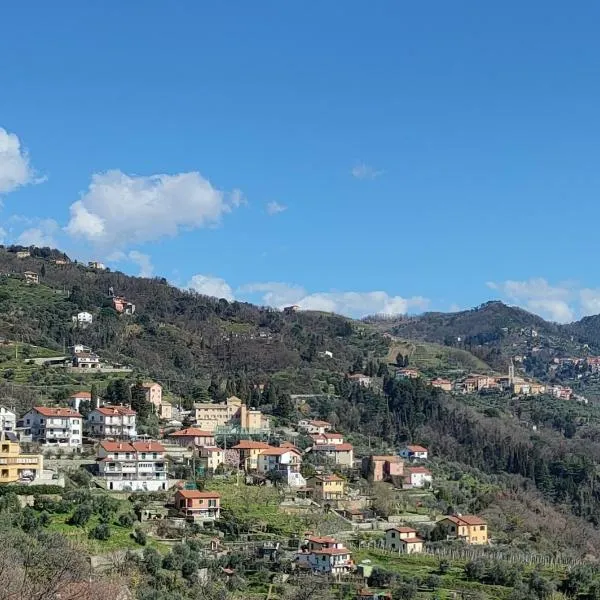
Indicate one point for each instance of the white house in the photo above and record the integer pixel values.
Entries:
(8, 419)
(54, 427)
(77, 398)
(325, 354)
(132, 467)
(94, 264)
(404, 540)
(313, 427)
(83, 318)
(285, 461)
(414, 453)
(112, 421)
(86, 360)
(417, 477)
(325, 556)
(361, 379)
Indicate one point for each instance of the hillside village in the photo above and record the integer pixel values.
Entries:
(108, 453)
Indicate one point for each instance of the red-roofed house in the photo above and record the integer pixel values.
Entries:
(325, 555)
(77, 398)
(338, 453)
(54, 427)
(327, 438)
(470, 528)
(403, 539)
(417, 477)
(249, 452)
(285, 461)
(132, 466)
(413, 452)
(328, 487)
(314, 426)
(198, 506)
(382, 468)
(112, 421)
(192, 436)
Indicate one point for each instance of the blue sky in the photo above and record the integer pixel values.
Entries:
(359, 156)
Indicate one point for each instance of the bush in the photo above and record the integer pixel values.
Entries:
(100, 532)
(139, 537)
(126, 520)
(81, 515)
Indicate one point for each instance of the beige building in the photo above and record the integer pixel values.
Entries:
(15, 465)
(469, 528)
(328, 487)
(211, 457)
(165, 411)
(232, 413)
(404, 540)
(153, 392)
(249, 453)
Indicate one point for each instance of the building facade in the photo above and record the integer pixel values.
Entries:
(325, 556)
(232, 413)
(8, 419)
(284, 461)
(133, 466)
(469, 528)
(54, 427)
(112, 421)
(198, 506)
(328, 487)
(16, 465)
(192, 436)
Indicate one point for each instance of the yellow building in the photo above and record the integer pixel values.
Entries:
(211, 457)
(15, 465)
(328, 487)
(469, 528)
(249, 452)
(232, 413)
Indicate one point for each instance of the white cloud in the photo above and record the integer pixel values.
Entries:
(15, 170)
(120, 209)
(590, 301)
(211, 286)
(275, 293)
(143, 261)
(353, 304)
(552, 302)
(274, 208)
(364, 171)
(42, 234)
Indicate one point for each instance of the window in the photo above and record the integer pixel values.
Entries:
(482, 528)
(5, 448)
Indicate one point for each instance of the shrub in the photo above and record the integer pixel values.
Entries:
(81, 515)
(139, 536)
(100, 532)
(126, 520)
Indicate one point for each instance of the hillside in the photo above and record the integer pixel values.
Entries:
(495, 332)
(175, 335)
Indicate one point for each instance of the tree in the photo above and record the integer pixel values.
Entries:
(383, 499)
(100, 532)
(475, 570)
(81, 515)
(152, 561)
(405, 591)
(142, 407)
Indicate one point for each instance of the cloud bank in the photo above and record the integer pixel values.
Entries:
(564, 302)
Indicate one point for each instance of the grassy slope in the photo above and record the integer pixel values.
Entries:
(437, 359)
